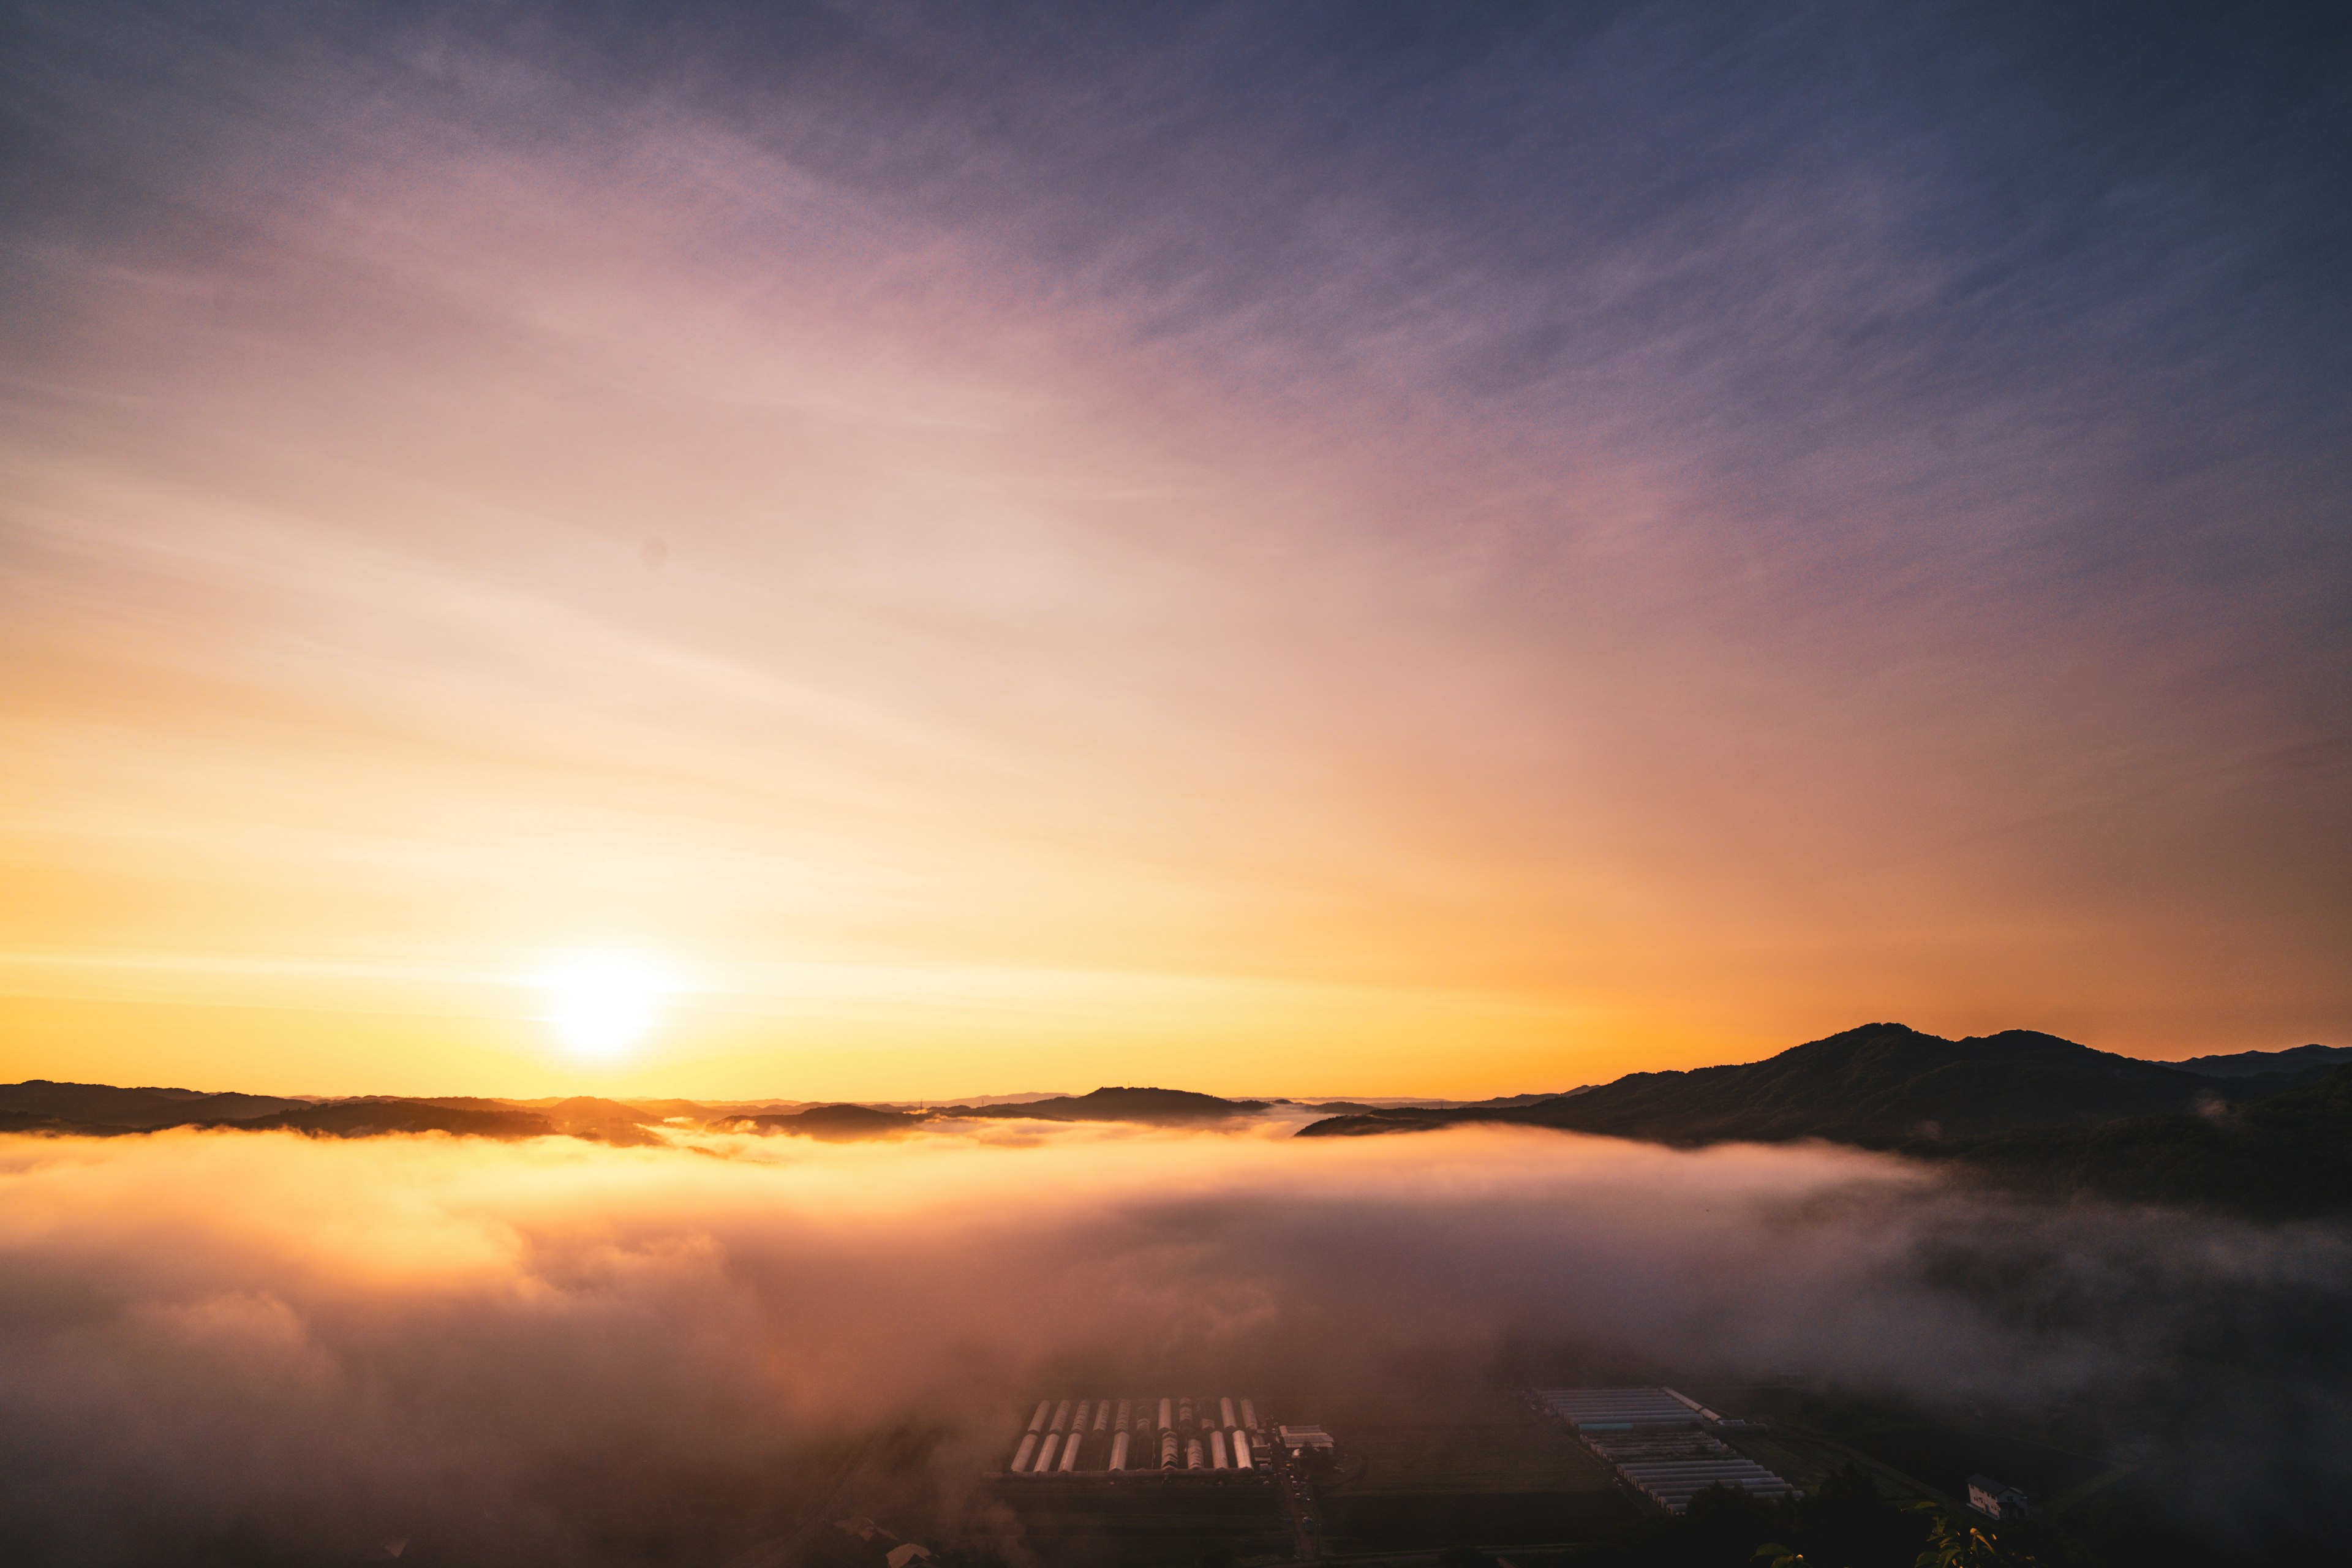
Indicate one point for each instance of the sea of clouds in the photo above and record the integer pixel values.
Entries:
(244, 1346)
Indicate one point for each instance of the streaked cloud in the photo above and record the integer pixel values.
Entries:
(1444, 557)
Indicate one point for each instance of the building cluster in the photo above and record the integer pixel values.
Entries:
(1300, 1439)
(1661, 1443)
(1111, 1437)
(1995, 1500)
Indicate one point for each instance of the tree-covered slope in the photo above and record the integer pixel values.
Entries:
(1165, 1106)
(2285, 1156)
(1879, 1084)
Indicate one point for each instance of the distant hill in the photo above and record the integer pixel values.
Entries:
(103, 1105)
(33, 1121)
(603, 1120)
(2285, 1156)
(39, 1106)
(2305, 1062)
(837, 1123)
(702, 1110)
(1162, 1107)
(1880, 1085)
(2022, 1111)
(370, 1117)
(1386, 1106)
(96, 1110)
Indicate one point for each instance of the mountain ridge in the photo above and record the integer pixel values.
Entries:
(1878, 1085)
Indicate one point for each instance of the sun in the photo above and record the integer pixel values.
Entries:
(601, 1003)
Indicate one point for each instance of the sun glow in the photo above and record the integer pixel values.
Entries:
(601, 1003)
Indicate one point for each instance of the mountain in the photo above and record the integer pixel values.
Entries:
(704, 1111)
(1881, 1084)
(602, 1120)
(34, 1122)
(2303, 1062)
(103, 1105)
(1386, 1106)
(837, 1123)
(1160, 1107)
(368, 1118)
(97, 1109)
(1506, 1101)
(40, 1106)
(2283, 1156)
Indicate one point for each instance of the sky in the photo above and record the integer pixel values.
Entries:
(1319, 549)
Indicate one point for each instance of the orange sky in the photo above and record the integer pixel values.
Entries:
(441, 551)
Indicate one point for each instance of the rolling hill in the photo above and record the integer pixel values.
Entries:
(92, 1110)
(1161, 1107)
(103, 1105)
(1880, 1085)
(373, 1117)
(836, 1123)
(2303, 1062)
(2282, 1156)
(2020, 1110)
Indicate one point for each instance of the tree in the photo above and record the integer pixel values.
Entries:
(1955, 1542)
(1723, 1524)
(1846, 1523)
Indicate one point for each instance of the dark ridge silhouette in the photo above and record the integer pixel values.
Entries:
(2284, 1156)
(33, 1121)
(373, 1117)
(2024, 1111)
(705, 1113)
(103, 1105)
(1413, 1106)
(1879, 1085)
(1371, 1121)
(1161, 1107)
(836, 1123)
(602, 1120)
(2303, 1062)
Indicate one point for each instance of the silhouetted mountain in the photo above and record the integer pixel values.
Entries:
(2304, 1062)
(103, 1105)
(1164, 1106)
(2285, 1155)
(1506, 1101)
(1879, 1085)
(605, 1121)
(90, 1110)
(837, 1123)
(33, 1121)
(369, 1118)
(1372, 1121)
(1375, 1108)
(1026, 1097)
(716, 1110)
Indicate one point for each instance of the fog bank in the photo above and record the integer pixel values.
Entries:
(248, 1345)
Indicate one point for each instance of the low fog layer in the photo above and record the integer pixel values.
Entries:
(242, 1344)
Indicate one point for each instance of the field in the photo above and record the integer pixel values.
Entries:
(1142, 1521)
(1479, 1467)
(1910, 1451)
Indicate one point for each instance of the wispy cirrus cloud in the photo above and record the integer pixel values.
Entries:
(1700, 530)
